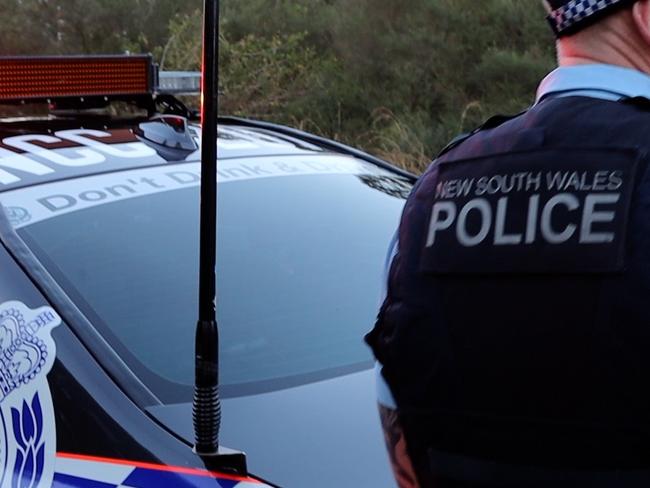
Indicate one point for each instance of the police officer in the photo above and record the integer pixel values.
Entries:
(514, 338)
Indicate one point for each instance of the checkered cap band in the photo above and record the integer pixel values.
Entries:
(575, 13)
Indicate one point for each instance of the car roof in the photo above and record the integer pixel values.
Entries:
(34, 151)
(239, 141)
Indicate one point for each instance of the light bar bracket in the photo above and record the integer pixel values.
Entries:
(179, 82)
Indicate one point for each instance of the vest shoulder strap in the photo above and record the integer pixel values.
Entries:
(491, 123)
(640, 102)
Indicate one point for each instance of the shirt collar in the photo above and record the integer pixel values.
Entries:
(604, 78)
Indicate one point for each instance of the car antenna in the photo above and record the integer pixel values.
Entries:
(206, 411)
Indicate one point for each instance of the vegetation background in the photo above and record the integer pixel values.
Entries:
(397, 78)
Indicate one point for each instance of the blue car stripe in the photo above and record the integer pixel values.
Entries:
(162, 479)
(67, 481)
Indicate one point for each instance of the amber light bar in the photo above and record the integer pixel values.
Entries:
(23, 78)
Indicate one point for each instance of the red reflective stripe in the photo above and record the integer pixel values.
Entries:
(157, 467)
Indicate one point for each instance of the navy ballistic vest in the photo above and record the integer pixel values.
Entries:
(517, 323)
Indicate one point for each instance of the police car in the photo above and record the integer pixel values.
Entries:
(99, 259)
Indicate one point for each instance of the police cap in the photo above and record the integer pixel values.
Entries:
(568, 17)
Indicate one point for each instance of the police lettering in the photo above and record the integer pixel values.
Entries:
(581, 181)
(541, 210)
(585, 217)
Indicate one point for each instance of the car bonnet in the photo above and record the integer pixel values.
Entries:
(321, 434)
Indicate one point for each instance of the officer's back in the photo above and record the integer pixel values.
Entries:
(515, 336)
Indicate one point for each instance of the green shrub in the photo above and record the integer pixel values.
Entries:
(399, 79)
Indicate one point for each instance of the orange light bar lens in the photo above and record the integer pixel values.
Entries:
(83, 76)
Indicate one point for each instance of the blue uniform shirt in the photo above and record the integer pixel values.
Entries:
(601, 81)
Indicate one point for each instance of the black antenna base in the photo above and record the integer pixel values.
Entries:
(226, 461)
(206, 411)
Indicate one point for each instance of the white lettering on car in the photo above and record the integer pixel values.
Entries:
(29, 154)
(86, 158)
(40, 202)
(18, 162)
(80, 136)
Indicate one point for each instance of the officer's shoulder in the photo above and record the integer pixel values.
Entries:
(491, 123)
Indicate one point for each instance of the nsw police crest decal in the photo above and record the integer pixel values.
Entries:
(27, 430)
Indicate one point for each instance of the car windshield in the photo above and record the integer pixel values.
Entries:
(301, 245)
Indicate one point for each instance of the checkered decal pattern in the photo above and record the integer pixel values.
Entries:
(84, 473)
(575, 12)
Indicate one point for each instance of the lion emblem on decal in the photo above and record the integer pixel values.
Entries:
(27, 430)
(17, 215)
